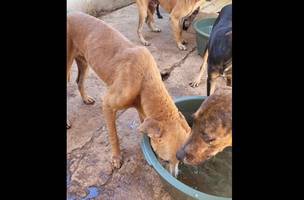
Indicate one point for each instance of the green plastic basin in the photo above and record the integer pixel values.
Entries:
(203, 29)
(178, 190)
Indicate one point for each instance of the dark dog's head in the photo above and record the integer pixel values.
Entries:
(187, 21)
(211, 130)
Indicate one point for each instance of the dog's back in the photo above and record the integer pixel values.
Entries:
(220, 41)
(88, 33)
(220, 49)
(100, 45)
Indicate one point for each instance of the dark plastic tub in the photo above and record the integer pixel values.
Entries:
(178, 190)
(203, 29)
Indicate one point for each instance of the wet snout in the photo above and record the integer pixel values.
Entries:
(194, 151)
(180, 155)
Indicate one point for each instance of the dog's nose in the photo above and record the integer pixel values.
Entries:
(180, 155)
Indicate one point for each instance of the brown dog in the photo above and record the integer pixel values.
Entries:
(178, 9)
(133, 80)
(212, 128)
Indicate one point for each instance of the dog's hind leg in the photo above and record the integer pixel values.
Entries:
(82, 72)
(150, 20)
(142, 15)
(198, 78)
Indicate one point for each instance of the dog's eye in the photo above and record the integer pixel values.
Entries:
(208, 139)
(211, 140)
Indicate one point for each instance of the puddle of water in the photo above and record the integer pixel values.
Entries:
(71, 198)
(213, 177)
(133, 125)
(93, 193)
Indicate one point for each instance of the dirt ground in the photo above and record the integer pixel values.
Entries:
(88, 151)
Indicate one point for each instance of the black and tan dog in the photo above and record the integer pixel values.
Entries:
(178, 9)
(218, 53)
(212, 127)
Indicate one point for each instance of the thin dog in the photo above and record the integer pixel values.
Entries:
(133, 80)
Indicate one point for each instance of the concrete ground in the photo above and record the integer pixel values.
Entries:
(88, 151)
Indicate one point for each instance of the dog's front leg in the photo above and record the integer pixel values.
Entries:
(110, 117)
(211, 82)
(198, 78)
(177, 31)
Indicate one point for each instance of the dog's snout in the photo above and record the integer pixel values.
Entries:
(180, 155)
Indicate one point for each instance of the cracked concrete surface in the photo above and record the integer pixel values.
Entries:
(88, 149)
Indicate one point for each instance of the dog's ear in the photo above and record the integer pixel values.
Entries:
(184, 122)
(151, 127)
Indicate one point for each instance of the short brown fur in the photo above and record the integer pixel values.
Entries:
(178, 10)
(212, 127)
(133, 80)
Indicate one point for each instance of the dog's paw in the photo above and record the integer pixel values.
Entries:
(165, 74)
(182, 47)
(159, 16)
(194, 83)
(146, 43)
(88, 100)
(116, 162)
(156, 29)
(68, 124)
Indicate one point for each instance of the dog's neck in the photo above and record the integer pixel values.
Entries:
(165, 110)
(155, 99)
